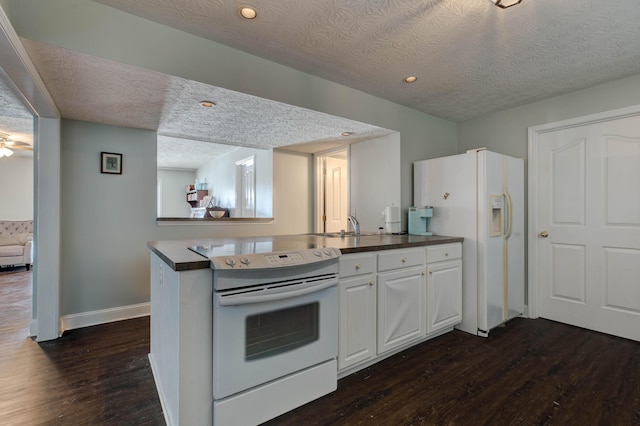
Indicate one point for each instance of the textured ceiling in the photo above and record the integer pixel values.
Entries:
(176, 153)
(470, 57)
(88, 88)
(15, 120)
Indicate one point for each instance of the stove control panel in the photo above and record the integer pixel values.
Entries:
(274, 260)
(284, 259)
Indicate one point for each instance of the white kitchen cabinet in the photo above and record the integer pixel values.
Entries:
(388, 301)
(444, 295)
(444, 287)
(401, 307)
(357, 320)
(357, 297)
(400, 259)
(352, 265)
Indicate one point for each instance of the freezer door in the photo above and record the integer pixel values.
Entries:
(515, 241)
(500, 239)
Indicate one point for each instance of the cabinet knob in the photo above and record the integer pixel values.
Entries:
(357, 266)
(422, 273)
(371, 283)
(430, 272)
(404, 260)
(446, 254)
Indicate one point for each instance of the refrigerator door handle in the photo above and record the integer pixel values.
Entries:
(509, 215)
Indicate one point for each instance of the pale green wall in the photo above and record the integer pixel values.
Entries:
(99, 30)
(16, 191)
(7, 7)
(107, 220)
(506, 131)
(174, 200)
(374, 178)
(221, 179)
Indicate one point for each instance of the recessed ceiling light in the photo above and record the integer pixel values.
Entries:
(248, 12)
(207, 104)
(346, 133)
(410, 79)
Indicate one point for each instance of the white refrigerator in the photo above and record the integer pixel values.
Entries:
(479, 195)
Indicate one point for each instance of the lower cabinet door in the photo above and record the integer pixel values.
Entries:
(401, 308)
(357, 335)
(444, 295)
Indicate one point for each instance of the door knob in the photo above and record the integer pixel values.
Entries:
(544, 234)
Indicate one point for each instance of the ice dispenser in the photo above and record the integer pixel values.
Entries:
(496, 220)
(419, 218)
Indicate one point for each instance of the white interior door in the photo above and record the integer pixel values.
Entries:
(246, 187)
(336, 201)
(588, 226)
(333, 189)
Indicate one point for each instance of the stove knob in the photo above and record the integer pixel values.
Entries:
(244, 260)
(317, 253)
(328, 252)
(230, 261)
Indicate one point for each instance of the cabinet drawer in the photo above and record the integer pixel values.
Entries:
(352, 265)
(396, 259)
(444, 252)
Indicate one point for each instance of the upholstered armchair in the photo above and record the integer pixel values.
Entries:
(16, 242)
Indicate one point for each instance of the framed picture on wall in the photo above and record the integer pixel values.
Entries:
(111, 163)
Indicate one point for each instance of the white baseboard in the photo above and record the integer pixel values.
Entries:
(33, 328)
(86, 319)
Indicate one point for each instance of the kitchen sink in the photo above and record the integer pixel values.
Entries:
(345, 235)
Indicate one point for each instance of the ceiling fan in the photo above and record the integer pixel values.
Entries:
(7, 146)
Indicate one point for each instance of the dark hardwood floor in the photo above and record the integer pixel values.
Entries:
(531, 372)
(91, 376)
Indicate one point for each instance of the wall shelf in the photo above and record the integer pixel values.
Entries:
(194, 197)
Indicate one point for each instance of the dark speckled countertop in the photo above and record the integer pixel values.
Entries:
(177, 254)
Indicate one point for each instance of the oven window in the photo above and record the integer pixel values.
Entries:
(272, 333)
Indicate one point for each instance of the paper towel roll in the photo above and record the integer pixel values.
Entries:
(392, 214)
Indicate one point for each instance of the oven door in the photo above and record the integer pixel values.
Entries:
(268, 332)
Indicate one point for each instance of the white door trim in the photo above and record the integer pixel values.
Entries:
(532, 155)
(48, 215)
(34, 96)
(318, 187)
(244, 208)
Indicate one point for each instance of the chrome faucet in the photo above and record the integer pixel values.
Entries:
(356, 225)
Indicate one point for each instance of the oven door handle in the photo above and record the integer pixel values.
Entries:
(244, 299)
